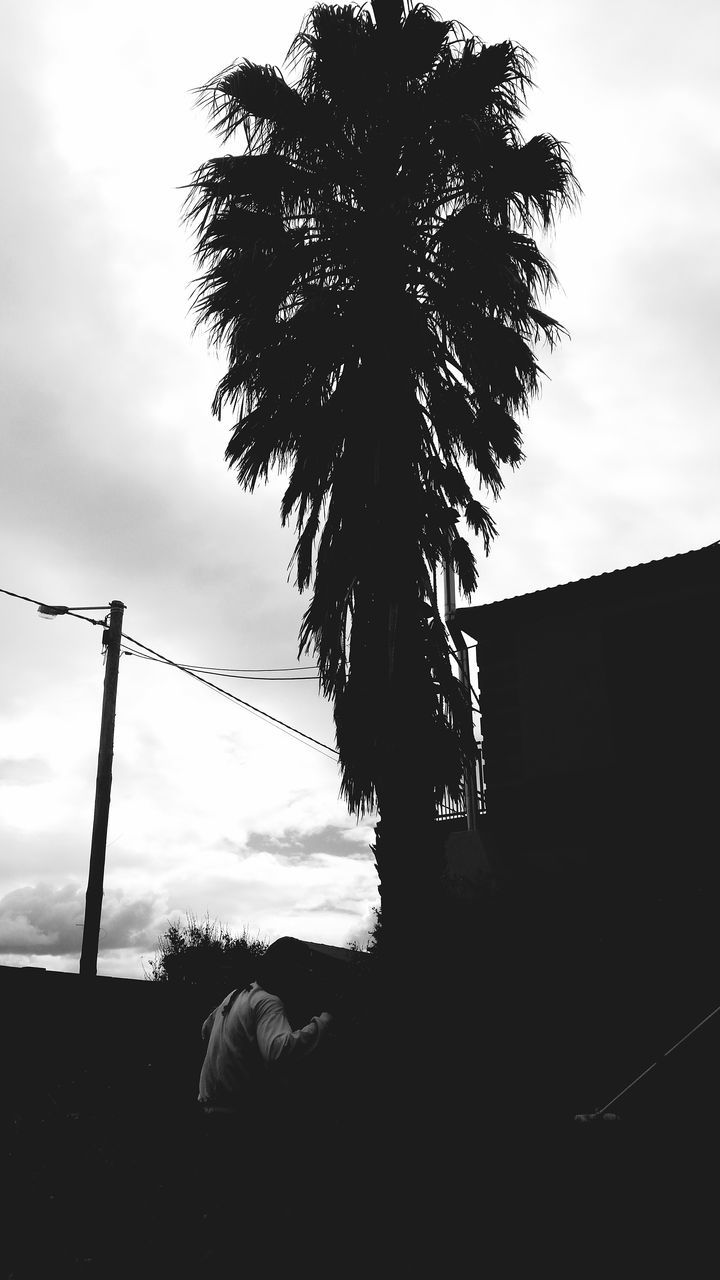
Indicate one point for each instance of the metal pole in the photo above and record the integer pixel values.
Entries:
(471, 788)
(94, 895)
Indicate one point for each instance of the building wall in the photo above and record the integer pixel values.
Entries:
(600, 713)
(600, 720)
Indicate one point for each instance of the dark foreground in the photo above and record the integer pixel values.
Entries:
(426, 1148)
(411, 1189)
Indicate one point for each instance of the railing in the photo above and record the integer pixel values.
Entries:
(448, 810)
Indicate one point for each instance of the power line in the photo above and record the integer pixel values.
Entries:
(194, 666)
(228, 671)
(265, 715)
(232, 673)
(235, 673)
(57, 610)
(17, 597)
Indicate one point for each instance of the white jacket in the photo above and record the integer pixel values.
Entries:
(248, 1036)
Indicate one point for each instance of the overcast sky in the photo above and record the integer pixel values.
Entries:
(113, 484)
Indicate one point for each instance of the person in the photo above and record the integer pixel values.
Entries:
(251, 1046)
(251, 1118)
(258, 1040)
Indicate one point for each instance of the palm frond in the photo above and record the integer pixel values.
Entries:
(540, 174)
(480, 81)
(481, 522)
(303, 554)
(424, 34)
(261, 183)
(246, 92)
(465, 564)
(502, 433)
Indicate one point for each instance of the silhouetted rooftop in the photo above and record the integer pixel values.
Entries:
(333, 953)
(683, 572)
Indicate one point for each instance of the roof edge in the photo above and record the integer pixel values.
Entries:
(469, 614)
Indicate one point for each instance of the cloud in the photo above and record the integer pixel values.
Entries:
(24, 773)
(325, 897)
(293, 845)
(46, 920)
(328, 905)
(113, 468)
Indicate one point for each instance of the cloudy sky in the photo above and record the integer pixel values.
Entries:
(113, 484)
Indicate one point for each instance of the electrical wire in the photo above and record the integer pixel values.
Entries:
(232, 673)
(244, 671)
(17, 597)
(265, 715)
(192, 666)
(60, 610)
(94, 622)
(236, 673)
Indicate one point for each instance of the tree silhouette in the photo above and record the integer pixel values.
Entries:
(369, 269)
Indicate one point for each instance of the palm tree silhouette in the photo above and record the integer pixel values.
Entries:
(369, 269)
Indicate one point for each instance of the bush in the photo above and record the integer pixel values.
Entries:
(204, 953)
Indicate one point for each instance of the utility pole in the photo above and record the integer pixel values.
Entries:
(93, 898)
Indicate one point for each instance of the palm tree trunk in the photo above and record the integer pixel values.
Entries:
(409, 856)
(387, 13)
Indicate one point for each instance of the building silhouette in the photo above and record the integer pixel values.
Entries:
(600, 704)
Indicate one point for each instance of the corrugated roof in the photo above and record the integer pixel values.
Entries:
(683, 565)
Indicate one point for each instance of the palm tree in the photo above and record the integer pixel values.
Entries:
(369, 268)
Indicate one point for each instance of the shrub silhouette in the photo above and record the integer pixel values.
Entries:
(204, 953)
